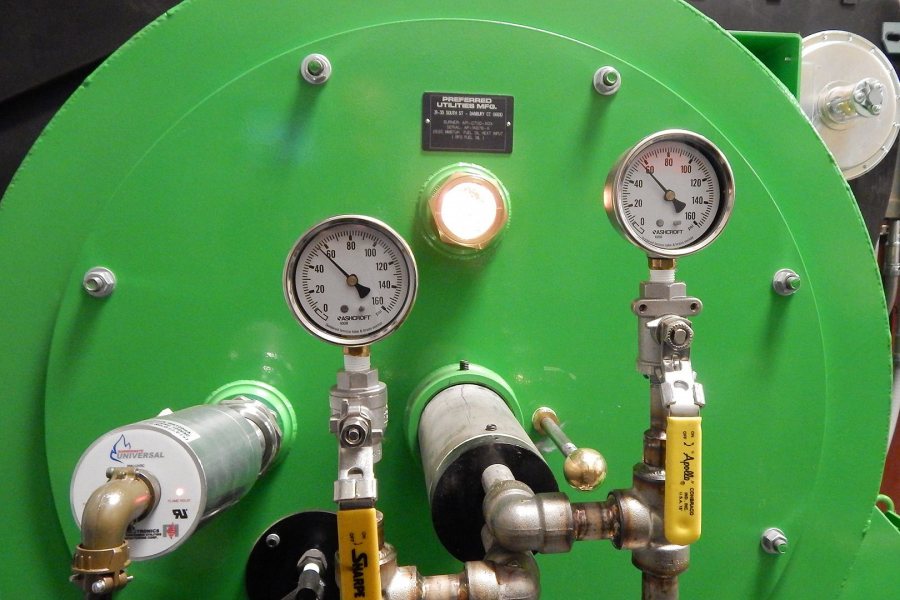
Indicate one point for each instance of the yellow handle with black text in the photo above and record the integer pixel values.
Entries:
(360, 574)
(681, 518)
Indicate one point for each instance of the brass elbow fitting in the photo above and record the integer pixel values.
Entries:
(101, 558)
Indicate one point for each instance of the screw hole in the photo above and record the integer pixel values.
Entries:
(694, 307)
(642, 308)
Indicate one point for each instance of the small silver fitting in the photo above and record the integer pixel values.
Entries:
(843, 103)
(354, 431)
(315, 69)
(312, 566)
(99, 586)
(99, 282)
(676, 332)
(272, 540)
(773, 541)
(607, 81)
(868, 95)
(786, 282)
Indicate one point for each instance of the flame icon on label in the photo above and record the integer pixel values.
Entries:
(114, 453)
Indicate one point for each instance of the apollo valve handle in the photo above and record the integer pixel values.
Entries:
(682, 397)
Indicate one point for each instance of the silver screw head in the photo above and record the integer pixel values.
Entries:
(99, 282)
(99, 586)
(315, 69)
(607, 80)
(353, 435)
(272, 540)
(774, 541)
(869, 95)
(786, 282)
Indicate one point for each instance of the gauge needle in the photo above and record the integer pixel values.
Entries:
(352, 280)
(668, 195)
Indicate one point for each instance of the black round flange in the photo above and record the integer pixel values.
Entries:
(457, 498)
(272, 567)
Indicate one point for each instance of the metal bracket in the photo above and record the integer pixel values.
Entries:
(890, 37)
(682, 394)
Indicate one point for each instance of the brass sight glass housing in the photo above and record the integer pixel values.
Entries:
(464, 208)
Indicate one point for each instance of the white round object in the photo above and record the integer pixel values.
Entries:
(671, 194)
(350, 280)
(839, 58)
(182, 489)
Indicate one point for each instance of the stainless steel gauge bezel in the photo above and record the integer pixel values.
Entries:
(290, 290)
(612, 200)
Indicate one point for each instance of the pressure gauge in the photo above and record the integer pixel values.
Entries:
(671, 194)
(350, 280)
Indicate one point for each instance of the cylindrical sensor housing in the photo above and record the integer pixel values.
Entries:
(463, 430)
(205, 459)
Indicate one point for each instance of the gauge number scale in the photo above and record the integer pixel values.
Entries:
(671, 194)
(350, 280)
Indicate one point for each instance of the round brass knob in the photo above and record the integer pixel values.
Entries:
(585, 469)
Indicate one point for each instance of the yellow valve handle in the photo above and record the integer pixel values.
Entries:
(358, 553)
(684, 453)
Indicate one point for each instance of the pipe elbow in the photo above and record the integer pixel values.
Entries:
(504, 575)
(102, 556)
(512, 516)
(113, 506)
(520, 520)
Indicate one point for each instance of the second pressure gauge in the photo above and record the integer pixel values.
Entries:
(350, 280)
(671, 194)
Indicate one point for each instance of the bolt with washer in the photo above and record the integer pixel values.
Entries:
(773, 541)
(786, 282)
(869, 96)
(99, 282)
(354, 432)
(272, 540)
(315, 69)
(607, 80)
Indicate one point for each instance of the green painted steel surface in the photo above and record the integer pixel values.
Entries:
(191, 161)
(780, 52)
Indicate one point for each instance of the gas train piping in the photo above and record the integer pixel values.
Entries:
(491, 491)
(659, 515)
(673, 176)
(194, 463)
(367, 566)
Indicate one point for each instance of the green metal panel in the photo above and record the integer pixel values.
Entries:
(780, 52)
(191, 161)
(875, 569)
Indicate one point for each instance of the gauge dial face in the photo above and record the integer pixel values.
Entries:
(671, 194)
(350, 280)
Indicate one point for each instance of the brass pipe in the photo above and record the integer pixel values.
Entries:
(114, 506)
(101, 558)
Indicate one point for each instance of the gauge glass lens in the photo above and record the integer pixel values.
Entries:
(670, 195)
(351, 280)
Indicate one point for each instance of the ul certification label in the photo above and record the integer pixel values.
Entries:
(467, 122)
